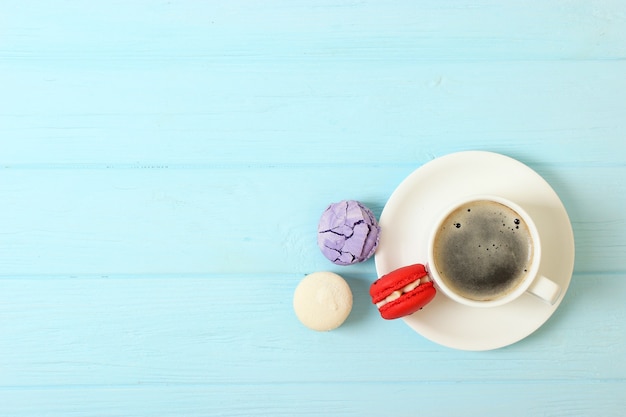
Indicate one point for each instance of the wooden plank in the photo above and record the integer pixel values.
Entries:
(186, 114)
(240, 329)
(298, 30)
(550, 399)
(255, 220)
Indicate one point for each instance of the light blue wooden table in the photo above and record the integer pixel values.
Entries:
(163, 165)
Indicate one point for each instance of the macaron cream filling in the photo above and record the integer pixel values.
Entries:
(407, 288)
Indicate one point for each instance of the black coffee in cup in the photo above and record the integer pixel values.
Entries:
(483, 250)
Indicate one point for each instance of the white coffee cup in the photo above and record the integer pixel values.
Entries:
(485, 251)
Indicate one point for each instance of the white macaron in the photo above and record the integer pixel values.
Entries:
(322, 301)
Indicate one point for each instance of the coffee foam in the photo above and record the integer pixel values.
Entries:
(483, 250)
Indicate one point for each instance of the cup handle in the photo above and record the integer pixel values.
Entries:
(545, 289)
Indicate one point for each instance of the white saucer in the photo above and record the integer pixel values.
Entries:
(413, 207)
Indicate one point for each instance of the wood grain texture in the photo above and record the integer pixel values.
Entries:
(163, 166)
(321, 398)
(177, 329)
(238, 220)
(183, 114)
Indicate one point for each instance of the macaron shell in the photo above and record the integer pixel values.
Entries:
(409, 303)
(322, 301)
(396, 280)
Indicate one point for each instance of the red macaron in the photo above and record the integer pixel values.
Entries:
(402, 291)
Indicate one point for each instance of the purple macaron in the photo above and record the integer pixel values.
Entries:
(348, 233)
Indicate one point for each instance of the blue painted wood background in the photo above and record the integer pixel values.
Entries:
(163, 165)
